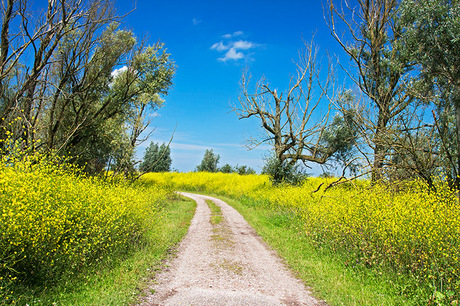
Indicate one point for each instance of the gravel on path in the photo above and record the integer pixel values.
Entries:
(225, 264)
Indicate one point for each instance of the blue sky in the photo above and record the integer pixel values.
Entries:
(212, 42)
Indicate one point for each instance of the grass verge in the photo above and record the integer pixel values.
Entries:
(216, 213)
(330, 278)
(122, 282)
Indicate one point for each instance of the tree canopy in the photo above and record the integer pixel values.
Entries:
(88, 87)
(157, 158)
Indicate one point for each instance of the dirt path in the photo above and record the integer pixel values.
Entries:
(225, 264)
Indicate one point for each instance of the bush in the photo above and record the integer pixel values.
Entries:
(281, 172)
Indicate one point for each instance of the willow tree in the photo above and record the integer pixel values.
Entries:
(432, 35)
(77, 82)
(381, 66)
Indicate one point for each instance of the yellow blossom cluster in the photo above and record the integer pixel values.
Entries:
(415, 231)
(54, 220)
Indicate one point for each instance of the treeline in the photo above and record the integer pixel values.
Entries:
(73, 83)
(402, 119)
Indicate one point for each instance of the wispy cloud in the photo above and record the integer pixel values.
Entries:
(196, 21)
(237, 33)
(233, 48)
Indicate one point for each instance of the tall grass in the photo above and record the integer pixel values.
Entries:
(55, 222)
(413, 232)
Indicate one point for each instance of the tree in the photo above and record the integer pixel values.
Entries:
(89, 86)
(156, 158)
(209, 162)
(432, 35)
(38, 35)
(383, 68)
(226, 169)
(244, 170)
(286, 116)
(282, 172)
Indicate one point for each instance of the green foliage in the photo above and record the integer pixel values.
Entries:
(209, 162)
(156, 158)
(432, 36)
(283, 172)
(340, 137)
(94, 90)
(226, 169)
(244, 170)
(241, 170)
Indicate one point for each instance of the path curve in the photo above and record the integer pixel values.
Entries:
(225, 264)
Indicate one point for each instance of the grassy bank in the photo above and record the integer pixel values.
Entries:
(328, 276)
(406, 240)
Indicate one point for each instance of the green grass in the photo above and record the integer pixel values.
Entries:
(330, 277)
(216, 213)
(122, 282)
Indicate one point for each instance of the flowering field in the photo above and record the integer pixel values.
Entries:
(55, 222)
(413, 232)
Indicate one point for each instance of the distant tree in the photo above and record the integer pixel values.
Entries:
(156, 158)
(226, 169)
(209, 162)
(244, 170)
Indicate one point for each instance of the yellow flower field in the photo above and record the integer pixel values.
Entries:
(414, 231)
(55, 221)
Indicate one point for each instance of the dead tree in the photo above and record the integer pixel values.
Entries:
(295, 119)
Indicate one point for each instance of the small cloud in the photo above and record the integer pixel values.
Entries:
(234, 48)
(237, 33)
(232, 54)
(219, 46)
(244, 45)
(196, 21)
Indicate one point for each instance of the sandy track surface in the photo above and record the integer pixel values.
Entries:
(225, 264)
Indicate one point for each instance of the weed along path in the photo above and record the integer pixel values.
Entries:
(222, 261)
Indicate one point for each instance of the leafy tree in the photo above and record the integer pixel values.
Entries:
(79, 83)
(209, 162)
(432, 35)
(226, 169)
(383, 70)
(156, 158)
(244, 170)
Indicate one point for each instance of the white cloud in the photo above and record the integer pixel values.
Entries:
(196, 21)
(233, 49)
(232, 54)
(116, 72)
(219, 46)
(237, 33)
(244, 45)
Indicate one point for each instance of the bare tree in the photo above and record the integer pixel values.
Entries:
(372, 41)
(294, 120)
